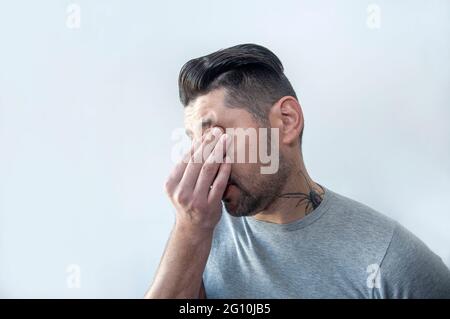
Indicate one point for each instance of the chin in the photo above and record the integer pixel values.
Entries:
(235, 202)
(231, 205)
(233, 208)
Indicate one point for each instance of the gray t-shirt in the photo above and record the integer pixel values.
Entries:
(343, 249)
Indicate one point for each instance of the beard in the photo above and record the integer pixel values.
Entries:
(255, 192)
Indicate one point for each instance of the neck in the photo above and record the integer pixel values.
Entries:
(299, 197)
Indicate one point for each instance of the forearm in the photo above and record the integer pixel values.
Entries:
(180, 272)
(196, 190)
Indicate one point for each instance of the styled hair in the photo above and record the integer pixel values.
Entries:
(252, 76)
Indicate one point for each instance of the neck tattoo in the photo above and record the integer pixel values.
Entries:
(311, 200)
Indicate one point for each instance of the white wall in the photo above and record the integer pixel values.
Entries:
(86, 116)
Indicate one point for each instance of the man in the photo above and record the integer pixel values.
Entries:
(282, 235)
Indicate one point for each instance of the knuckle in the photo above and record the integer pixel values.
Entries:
(208, 168)
(182, 198)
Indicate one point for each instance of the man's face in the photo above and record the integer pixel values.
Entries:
(248, 191)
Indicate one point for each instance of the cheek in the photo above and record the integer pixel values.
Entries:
(245, 150)
(252, 150)
(246, 174)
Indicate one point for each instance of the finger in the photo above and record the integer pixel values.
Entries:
(220, 183)
(177, 173)
(210, 142)
(195, 164)
(209, 170)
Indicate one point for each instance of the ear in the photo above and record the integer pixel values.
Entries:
(287, 115)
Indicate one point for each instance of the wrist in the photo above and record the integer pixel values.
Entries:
(193, 233)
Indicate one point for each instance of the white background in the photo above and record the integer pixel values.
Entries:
(86, 117)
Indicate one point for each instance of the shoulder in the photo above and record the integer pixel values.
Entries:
(407, 267)
(411, 270)
(361, 215)
(359, 225)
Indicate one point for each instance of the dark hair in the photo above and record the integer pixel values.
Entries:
(252, 75)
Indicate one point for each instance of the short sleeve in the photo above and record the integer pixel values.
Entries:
(410, 269)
